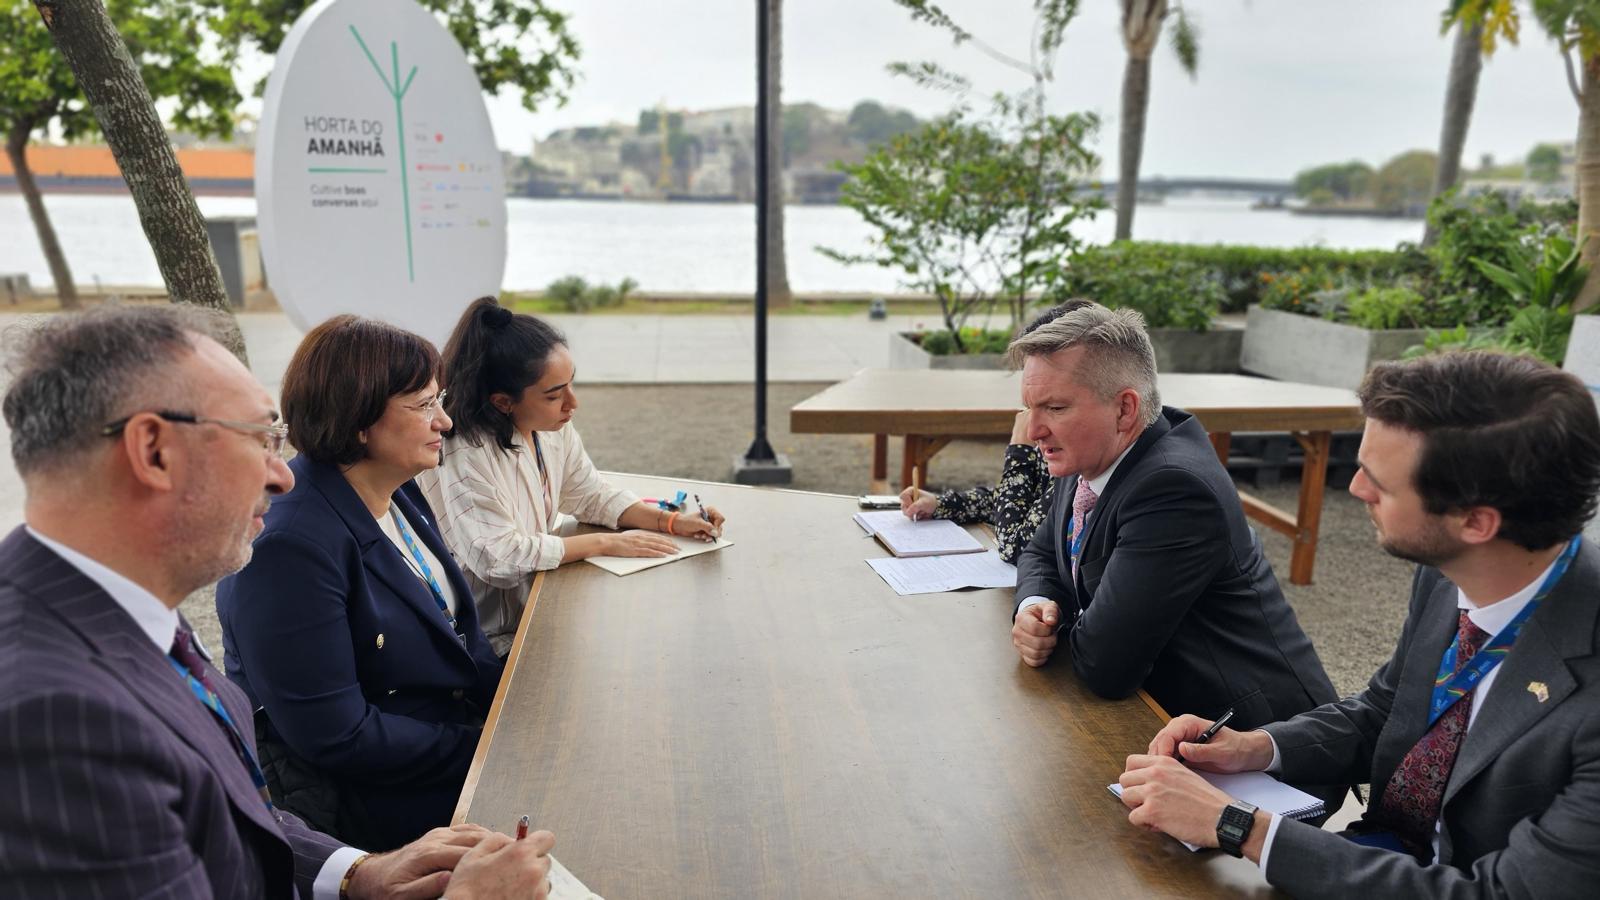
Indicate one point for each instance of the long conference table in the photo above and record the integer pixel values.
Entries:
(772, 720)
(931, 407)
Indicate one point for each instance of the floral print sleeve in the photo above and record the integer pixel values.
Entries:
(1015, 506)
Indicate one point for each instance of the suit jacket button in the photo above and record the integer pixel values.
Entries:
(380, 640)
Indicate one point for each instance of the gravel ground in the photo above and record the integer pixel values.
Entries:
(1353, 612)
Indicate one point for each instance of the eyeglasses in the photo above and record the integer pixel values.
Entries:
(273, 437)
(431, 408)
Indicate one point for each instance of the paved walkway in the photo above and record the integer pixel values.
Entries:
(616, 349)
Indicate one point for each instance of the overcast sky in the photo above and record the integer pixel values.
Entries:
(1283, 84)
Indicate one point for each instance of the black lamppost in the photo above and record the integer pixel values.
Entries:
(759, 464)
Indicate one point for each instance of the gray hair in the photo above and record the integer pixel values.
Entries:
(72, 374)
(1118, 354)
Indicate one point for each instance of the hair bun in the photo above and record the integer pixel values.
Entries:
(497, 317)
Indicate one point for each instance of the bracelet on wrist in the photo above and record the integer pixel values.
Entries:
(344, 883)
(671, 517)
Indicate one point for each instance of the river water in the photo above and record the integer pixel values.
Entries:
(664, 247)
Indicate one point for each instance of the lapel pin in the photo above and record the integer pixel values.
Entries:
(380, 647)
(1538, 689)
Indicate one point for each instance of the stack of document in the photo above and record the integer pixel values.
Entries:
(933, 556)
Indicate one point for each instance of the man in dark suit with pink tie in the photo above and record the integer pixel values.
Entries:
(149, 456)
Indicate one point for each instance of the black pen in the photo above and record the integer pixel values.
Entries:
(1209, 733)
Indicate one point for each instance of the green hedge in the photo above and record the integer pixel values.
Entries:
(1235, 269)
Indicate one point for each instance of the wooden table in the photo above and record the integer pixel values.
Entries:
(931, 407)
(771, 720)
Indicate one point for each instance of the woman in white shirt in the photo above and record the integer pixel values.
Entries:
(513, 463)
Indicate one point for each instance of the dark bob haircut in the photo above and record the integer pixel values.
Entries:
(1507, 432)
(492, 351)
(341, 378)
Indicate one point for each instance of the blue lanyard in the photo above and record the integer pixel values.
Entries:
(422, 564)
(1451, 685)
(544, 479)
(205, 696)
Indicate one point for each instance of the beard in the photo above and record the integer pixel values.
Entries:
(1429, 545)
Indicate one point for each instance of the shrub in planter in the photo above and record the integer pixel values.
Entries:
(1168, 293)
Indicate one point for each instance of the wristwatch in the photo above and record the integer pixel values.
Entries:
(1233, 827)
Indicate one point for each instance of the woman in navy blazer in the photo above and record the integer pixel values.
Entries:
(351, 629)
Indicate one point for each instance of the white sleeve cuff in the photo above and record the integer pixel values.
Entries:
(1276, 766)
(1272, 832)
(326, 885)
(1035, 600)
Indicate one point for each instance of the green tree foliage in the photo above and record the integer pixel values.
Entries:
(38, 93)
(1405, 183)
(1544, 163)
(976, 211)
(520, 45)
(1341, 181)
(649, 121)
(872, 124)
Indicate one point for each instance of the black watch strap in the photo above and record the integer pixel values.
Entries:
(1233, 827)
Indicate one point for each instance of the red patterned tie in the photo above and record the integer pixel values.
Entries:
(1412, 799)
(1082, 502)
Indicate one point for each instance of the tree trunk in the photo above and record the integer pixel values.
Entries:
(127, 115)
(1466, 62)
(1130, 146)
(1589, 182)
(778, 293)
(17, 150)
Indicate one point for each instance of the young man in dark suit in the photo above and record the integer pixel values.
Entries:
(1481, 735)
(1145, 567)
(149, 456)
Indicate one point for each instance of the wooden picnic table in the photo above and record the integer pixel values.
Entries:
(931, 407)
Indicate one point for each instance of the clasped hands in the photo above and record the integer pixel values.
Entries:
(465, 862)
(1165, 795)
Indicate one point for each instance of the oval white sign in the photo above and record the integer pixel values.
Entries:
(378, 181)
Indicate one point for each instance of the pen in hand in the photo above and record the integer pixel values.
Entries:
(522, 828)
(1209, 733)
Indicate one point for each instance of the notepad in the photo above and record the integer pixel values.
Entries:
(1258, 789)
(565, 886)
(937, 574)
(687, 547)
(929, 537)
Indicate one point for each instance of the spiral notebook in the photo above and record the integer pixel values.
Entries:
(929, 537)
(1259, 789)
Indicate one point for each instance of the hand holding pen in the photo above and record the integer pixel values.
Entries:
(1206, 745)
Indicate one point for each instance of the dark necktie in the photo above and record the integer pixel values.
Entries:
(1415, 793)
(194, 673)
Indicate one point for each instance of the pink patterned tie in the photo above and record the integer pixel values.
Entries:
(1082, 502)
(1412, 799)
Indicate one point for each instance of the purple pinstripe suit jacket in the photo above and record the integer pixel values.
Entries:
(114, 780)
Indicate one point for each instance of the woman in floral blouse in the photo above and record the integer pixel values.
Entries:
(1014, 506)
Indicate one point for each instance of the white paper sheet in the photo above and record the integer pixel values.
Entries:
(565, 886)
(937, 574)
(928, 537)
(687, 547)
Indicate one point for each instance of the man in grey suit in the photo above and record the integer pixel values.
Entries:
(149, 455)
(1481, 735)
(1145, 563)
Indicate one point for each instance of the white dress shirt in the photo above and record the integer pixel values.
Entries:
(1098, 485)
(1492, 619)
(160, 623)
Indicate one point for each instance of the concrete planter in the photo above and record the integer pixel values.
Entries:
(1177, 350)
(905, 353)
(1292, 347)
